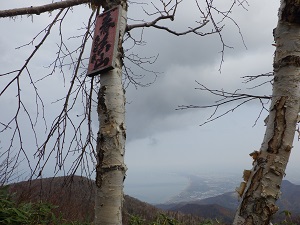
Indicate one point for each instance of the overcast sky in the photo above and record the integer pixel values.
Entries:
(160, 139)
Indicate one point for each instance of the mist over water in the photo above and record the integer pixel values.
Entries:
(155, 187)
(166, 187)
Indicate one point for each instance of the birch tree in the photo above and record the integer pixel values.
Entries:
(261, 186)
(110, 139)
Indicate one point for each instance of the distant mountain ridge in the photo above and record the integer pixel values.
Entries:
(228, 203)
(289, 200)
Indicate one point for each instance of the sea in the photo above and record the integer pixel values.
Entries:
(155, 188)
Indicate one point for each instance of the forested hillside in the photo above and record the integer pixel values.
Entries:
(75, 200)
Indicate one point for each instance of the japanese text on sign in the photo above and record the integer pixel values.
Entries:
(105, 42)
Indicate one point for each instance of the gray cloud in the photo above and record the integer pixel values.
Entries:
(186, 59)
(153, 108)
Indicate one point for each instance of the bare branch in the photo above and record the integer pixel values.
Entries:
(57, 140)
(37, 10)
(210, 16)
(20, 71)
(168, 13)
(227, 98)
(64, 120)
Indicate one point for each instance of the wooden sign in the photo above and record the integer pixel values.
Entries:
(105, 42)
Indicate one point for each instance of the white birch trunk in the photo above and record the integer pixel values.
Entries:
(110, 170)
(262, 184)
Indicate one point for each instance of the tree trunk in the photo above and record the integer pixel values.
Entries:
(262, 184)
(110, 169)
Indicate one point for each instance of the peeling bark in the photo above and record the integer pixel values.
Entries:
(279, 124)
(291, 11)
(261, 186)
(110, 169)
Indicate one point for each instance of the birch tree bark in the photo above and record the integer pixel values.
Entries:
(110, 169)
(261, 186)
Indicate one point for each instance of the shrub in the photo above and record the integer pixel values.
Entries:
(40, 213)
